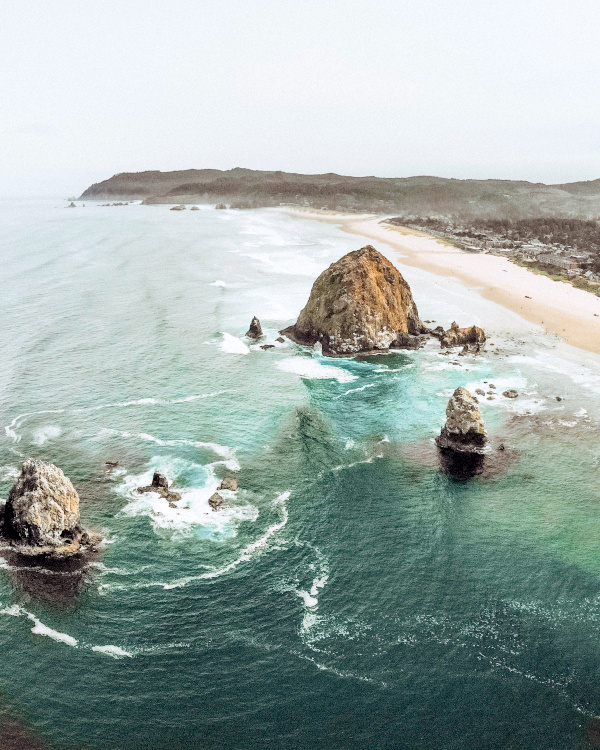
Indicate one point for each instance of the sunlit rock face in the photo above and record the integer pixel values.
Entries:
(464, 430)
(360, 303)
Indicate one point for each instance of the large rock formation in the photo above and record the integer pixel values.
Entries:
(42, 512)
(360, 303)
(464, 430)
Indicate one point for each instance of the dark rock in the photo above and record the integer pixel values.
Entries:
(267, 346)
(71, 205)
(407, 341)
(220, 206)
(229, 483)
(216, 501)
(160, 485)
(280, 339)
(111, 464)
(511, 393)
(559, 398)
(255, 331)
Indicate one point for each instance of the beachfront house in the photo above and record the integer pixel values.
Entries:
(555, 261)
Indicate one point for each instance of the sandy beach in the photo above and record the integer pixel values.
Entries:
(562, 309)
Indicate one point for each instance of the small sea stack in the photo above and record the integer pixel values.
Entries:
(41, 516)
(473, 336)
(255, 331)
(160, 485)
(463, 439)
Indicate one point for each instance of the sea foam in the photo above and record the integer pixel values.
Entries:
(232, 345)
(311, 369)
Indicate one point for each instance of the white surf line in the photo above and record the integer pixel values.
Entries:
(150, 401)
(356, 390)
(43, 630)
(245, 556)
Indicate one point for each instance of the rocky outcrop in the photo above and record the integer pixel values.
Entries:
(464, 430)
(408, 341)
(160, 485)
(456, 336)
(42, 512)
(216, 501)
(220, 206)
(229, 483)
(255, 331)
(360, 303)
(511, 393)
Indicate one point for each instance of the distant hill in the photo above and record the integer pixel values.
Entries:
(247, 188)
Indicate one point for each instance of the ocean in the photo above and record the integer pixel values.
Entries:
(351, 595)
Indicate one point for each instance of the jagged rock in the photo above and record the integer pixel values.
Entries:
(464, 431)
(255, 331)
(229, 483)
(456, 336)
(267, 346)
(111, 464)
(407, 341)
(42, 512)
(160, 485)
(511, 393)
(216, 501)
(280, 339)
(360, 303)
(71, 205)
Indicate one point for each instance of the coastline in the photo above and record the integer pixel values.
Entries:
(571, 314)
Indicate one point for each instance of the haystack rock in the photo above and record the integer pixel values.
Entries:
(255, 331)
(464, 431)
(42, 512)
(361, 303)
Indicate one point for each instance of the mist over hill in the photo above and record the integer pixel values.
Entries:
(423, 196)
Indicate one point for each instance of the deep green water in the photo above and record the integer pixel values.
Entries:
(352, 595)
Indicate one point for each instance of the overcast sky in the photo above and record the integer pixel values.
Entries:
(457, 88)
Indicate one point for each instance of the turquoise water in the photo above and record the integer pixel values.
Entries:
(352, 595)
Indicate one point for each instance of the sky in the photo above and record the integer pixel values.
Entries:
(461, 88)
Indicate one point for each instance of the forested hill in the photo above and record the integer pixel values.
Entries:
(247, 188)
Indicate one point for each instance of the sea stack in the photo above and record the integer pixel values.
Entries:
(255, 331)
(160, 485)
(462, 441)
(464, 430)
(42, 512)
(456, 336)
(361, 303)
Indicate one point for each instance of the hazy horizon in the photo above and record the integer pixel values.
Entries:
(387, 89)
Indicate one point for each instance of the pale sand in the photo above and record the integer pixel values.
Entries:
(570, 313)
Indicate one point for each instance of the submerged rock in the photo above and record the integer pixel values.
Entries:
(360, 303)
(267, 346)
(42, 512)
(160, 485)
(464, 430)
(194, 208)
(255, 331)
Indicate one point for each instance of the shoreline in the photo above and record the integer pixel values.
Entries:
(570, 313)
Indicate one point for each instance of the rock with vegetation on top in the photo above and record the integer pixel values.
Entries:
(464, 431)
(255, 331)
(42, 512)
(456, 336)
(360, 303)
